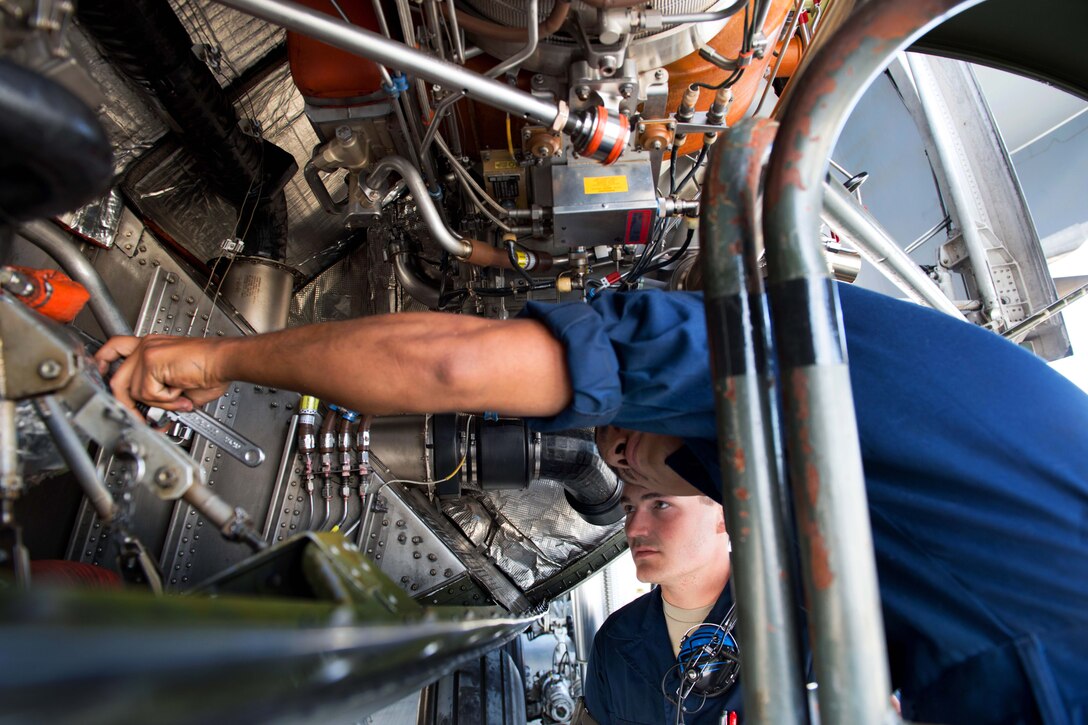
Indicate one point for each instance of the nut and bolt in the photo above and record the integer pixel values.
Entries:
(50, 369)
(582, 92)
(166, 477)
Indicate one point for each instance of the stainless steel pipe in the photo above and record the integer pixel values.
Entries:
(388, 52)
(456, 246)
(850, 220)
(65, 250)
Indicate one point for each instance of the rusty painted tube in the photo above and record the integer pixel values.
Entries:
(748, 429)
(821, 433)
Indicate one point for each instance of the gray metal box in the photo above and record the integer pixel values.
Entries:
(595, 204)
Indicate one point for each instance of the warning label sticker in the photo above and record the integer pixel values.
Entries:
(605, 184)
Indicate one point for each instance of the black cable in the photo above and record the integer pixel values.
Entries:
(745, 49)
(656, 237)
(675, 257)
(699, 160)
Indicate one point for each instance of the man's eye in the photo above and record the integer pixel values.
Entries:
(661, 504)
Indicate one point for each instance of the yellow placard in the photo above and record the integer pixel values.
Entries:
(605, 184)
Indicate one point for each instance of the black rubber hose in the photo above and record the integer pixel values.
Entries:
(54, 155)
(571, 457)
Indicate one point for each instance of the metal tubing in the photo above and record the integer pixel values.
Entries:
(784, 38)
(1024, 327)
(959, 195)
(11, 482)
(685, 18)
(436, 119)
(458, 247)
(63, 248)
(75, 455)
(824, 455)
(373, 46)
(533, 29)
(932, 232)
(763, 570)
(842, 213)
(430, 10)
(411, 278)
(455, 32)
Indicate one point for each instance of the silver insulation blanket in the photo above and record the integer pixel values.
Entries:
(131, 123)
(99, 220)
(530, 534)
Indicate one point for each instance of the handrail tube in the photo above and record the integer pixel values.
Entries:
(843, 214)
(824, 454)
(63, 248)
(748, 432)
(373, 46)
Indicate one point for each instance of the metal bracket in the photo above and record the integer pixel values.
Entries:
(35, 357)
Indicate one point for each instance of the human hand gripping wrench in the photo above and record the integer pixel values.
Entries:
(202, 423)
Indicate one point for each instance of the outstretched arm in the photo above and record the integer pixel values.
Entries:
(419, 362)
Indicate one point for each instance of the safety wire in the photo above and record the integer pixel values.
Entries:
(202, 28)
(230, 261)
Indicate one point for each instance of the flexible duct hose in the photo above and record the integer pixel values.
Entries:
(145, 39)
(593, 490)
(54, 155)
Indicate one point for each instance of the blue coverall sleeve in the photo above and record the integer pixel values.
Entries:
(637, 360)
(595, 690)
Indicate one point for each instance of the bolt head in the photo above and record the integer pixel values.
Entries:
(343, 133)
(50, 369)
(166, 477)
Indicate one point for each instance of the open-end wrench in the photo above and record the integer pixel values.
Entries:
(203, 424)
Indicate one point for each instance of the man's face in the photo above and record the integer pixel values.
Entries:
(639, 458)
(674, 540)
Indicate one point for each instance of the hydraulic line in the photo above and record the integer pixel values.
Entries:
(307, 443)
(514, 62)
(479, 26)
(470, 250)
(326, 447)
(345, 447)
